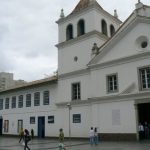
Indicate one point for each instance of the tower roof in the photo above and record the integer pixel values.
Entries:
(84, 4)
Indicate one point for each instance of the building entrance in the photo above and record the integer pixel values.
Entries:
(144, 113)
(41, 127)
(144, 119)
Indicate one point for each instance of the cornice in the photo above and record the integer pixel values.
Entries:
(83, 37)
(85, 10)
(137, 97)
(120, 61)
(74, 73)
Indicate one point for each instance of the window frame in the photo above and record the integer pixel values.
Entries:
(69, 32)
(76, 118)
(37, 100)
(108, 85)
(7, 101)
(28, 101)
(112, 30)
(104, 27)
(46, 98)
(32, 120)
(20, 101)
(51, 119)
(78, 91)
(1, 104)
(81, 27)
(13, 102)
(6, 126)
(140, 79)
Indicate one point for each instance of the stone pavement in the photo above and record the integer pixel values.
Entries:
(7, 143)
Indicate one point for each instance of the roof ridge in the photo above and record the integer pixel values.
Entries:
(84, 4)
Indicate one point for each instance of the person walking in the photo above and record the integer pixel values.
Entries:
(61, 135)
(21, 134)
(32, 134)
(27, 138)
(61, 140)
(91, 136)
(95, 136)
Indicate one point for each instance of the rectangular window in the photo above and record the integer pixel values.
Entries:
(46, 98)
(13, 102)
(50, 119)
(6, 125)
(7, 103)
(144, 78)
(20, 101)
(28, 100)
(32, 120)
(112, 83)
(76, 118)
(1, 104)
(76, 93)
(37, 99)
(20, 125)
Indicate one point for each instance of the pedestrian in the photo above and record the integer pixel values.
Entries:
(32, 134)
(61, 135)
(91, 136)
(141, 131)
(21, 134)
(27, 138)
(146, 130)
(95, 136)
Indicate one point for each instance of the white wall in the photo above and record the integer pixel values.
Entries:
(81, 49)
(15, 114)
(124, 120)
(127, 44)
(64, 88)
(127, 74)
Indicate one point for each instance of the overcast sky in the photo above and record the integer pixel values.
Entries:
(28, 33)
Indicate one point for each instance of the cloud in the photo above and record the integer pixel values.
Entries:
(25, 38)
(28, 33)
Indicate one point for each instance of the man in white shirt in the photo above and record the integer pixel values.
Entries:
(141, 131)
(91, 136)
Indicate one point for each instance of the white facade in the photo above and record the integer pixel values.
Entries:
(106, 91)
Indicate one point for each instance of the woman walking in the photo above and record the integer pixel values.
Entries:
(21, 135)
(27, 138)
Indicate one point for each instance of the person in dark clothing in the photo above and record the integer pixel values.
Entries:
(32, 134)
(27, 138)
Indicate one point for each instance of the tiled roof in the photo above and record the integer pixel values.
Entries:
(83, 4)
(33, 83)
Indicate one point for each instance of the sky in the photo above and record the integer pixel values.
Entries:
(28, 33)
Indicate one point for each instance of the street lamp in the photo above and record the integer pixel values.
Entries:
(69, 108)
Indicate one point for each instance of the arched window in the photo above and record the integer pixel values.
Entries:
(112, 30)
(104, 27)
(69, 32)
(81, 27)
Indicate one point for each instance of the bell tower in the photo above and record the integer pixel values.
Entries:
(87, 24)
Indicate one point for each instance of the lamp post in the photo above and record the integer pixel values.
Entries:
(69, 108)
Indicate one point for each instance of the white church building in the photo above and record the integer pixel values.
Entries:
(103, 79)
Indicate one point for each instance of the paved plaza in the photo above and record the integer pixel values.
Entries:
(7, 143)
